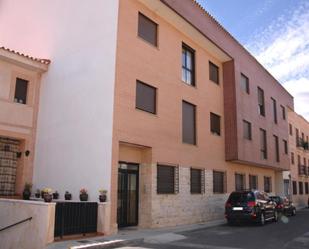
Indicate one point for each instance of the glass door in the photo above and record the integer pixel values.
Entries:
(127, 211)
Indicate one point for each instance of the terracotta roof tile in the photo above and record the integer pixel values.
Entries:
(43, 61)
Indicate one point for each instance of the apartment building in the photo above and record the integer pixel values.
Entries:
(297, 179)
(20, 79)
(154, 101)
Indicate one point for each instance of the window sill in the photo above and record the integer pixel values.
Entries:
(187, 84)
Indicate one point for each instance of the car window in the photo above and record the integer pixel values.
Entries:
(241, 197)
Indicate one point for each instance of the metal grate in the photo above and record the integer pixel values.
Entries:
(75, 218)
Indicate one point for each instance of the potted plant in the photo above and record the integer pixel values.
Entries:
(83, 195)
(102, 196)
(47, 194)
(55, 195)
(37, 193)
(27, 191)
(67, 195)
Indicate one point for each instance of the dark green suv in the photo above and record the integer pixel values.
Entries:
(253, 206)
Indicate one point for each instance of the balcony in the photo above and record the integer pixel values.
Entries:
(302, 144)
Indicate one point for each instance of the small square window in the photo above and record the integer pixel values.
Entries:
(240, 182)
(253, 182)
(147, 29)
(166, 179)
(267, 184)
(244, 82)
(247, 130)
(215, 124)
(214, 73)
(21, 89)
(145, 97)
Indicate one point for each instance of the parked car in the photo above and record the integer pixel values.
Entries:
(253, 206)
(284, 205)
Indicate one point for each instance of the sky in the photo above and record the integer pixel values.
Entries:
(276, 32)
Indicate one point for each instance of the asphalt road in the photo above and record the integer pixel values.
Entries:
(288, 233)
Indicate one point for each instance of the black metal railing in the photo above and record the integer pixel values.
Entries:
(75, 218)
(15, 224)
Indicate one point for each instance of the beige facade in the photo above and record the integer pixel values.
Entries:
(18, 120)
(149, 139)
(299, 155)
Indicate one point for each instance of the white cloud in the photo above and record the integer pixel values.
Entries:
(283, 48)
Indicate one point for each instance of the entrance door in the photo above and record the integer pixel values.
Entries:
(127, 211)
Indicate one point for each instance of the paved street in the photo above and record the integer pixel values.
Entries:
(290, 233)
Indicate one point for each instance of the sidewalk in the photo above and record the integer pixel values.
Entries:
(128, 236)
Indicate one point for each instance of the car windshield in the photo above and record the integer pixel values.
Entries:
(241, 197)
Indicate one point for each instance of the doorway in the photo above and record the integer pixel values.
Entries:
(128, 181)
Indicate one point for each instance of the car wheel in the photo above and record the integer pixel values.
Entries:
(293, 212)
(275, 216)
(262, 219)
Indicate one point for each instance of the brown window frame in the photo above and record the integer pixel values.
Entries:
(211, 66)
(263, 144)
(261, 102)
(219, 182)
(243, 183)
(185, 66)
(300, 188)
(139, 102)
(141, 32)
(21, 91)
(256, 182)
(187, 139)
(244, 82)
(274, 108)
(267, 185)
(294, 187)
(283, 112)
(247, 124)
(163, 178)
(196, 181)
(285, 147)
(277, 149)
(215, 120)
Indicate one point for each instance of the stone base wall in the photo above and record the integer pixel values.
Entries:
(183, 207)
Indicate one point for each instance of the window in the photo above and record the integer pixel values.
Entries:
(196, 181)
(306, 188)
(21, 89)
(213, 73)
(297, 136)
(294, 188)
(253, 182)
(261, 102)
(285, 146)
(145, 97)
(291, 129)
(247, 130)
(188, 123)
(292, 158)
(283, 112)
(300, 187)
(276, 141)
(267, 184)
(166, 179)
(244, 82)
(188, 65)
(147, 29)
(274, 103)
(263, 141)
(240, 183)
(219, 182)
(215, 123)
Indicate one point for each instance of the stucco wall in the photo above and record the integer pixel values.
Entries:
(75, 116)
(33, 234)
